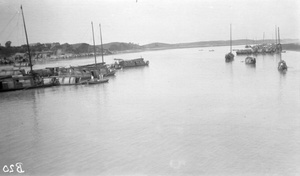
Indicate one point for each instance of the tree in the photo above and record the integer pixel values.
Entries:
(8, 44)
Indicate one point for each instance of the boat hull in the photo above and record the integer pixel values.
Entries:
(282, 66)
(25, 88)
(229, 57)
(250, 60)
(132, 63)
(97, 81)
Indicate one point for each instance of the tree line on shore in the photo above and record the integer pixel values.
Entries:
(10, 54)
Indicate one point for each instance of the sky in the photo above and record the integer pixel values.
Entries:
(147, 21)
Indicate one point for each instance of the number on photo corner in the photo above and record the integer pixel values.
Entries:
(19, 167)
(5, 168)
(9, 169)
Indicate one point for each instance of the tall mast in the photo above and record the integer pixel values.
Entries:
(278, 36)
(94, 46)
(101, 43)
(230, 40)
(30, 63)
(275, 34)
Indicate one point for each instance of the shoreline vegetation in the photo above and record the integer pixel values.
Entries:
(56, 51)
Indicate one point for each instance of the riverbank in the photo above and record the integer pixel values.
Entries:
(150, 47)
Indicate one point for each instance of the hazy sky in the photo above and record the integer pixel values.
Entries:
(147, 21)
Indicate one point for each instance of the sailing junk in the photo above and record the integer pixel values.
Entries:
(250, 60)
(96, 78)
(131, 63)
(18, 80)
(229, 57)
(282, 66)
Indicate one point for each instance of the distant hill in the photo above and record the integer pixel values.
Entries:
(120, 46)
(156, 45)
(212, 43)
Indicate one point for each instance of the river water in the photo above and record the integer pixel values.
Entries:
(187, 113)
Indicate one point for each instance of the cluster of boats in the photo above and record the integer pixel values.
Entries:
(265, 48)
(17, 79)
(282, 66)
(11, 80)
(261, 49)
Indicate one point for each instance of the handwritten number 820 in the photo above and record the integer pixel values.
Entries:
(10, 168)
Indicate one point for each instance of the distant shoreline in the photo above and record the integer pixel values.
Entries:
(285, 46)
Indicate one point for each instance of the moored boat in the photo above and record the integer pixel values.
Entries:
(131, 63)
(97, 81)
(23, 82)
(229, 57)
(12, 80)
(97, 77)
(250, 60)
(282, 66)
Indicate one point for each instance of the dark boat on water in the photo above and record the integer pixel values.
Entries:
(23, 82)
(229, 57)
(282, 66)
(131, 63)
(97, 81)
(250, 60)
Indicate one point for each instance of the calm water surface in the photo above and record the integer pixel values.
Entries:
(188, 113)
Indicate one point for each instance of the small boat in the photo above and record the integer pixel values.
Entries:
(131, 63)
(282, 66)
(96, 81)
(250, 60)
(229, 57)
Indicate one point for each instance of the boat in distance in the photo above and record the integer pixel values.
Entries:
(282, 66)
(97, 81)
(229, 57)
(250, 60)
(130, 63)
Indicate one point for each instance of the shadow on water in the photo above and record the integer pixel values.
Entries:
(229, 68)
(281, 82)
(140, 69)
(251, 66)
(36, 130)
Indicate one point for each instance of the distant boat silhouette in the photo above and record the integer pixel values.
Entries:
(250, 60)
(229, 57)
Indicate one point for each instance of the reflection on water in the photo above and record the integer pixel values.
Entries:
(187, 113)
